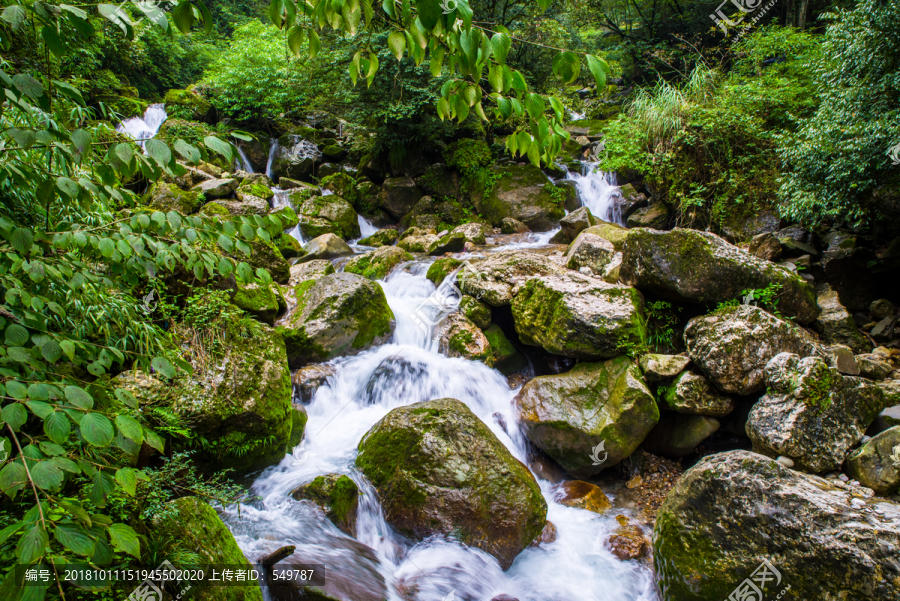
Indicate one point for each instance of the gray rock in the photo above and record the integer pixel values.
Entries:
(307, 381)
(628, 200)
(327, 214)
(732, 346)
(495, 279)
(677, 435)
(377, 264)
(399, 195)
(383, 237)
(294, 158)
(765, 246)
(217, 188)
(873, 366)
(513, 226)
(699, 267)
(522, 192)
(662, 368)
(656, 217)
(876, 464)
(250, 205)
(881, 308)
(574, 223)
(326, 246)
(841, 358)
(811, 414)
(473, 232)
(165, 196)
(692, 393)
(884, 329)
(734, 510)
(590, 251)
(311, 270)
(836, 325)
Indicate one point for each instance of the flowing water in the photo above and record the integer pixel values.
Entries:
(144, 128)
(598, 192)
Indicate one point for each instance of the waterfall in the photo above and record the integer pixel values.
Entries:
(598, 192)
(366, 229)
(363, 389)
(243, 162)
(142, 129)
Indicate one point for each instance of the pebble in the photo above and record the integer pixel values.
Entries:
(857, 503)
(844, 478)
(785, 461)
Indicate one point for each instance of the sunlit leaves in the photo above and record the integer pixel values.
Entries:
(599, 69)
(397, 44)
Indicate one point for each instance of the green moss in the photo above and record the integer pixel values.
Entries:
(385, 237)
(214, 208)
(507, 359)
(190, 131)
(440, 269)
(183, 104)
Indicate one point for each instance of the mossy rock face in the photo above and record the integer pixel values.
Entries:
(656, 217)
(507, 360)
(240, 401)
(616, 234)
(579, 316)
(440, 269)
(692, 393)
(336, 315)
(287, 216)
(263, 302)
(522, 192)
(459, 337)
(288, 246)
(569, 415)
(267, 256)
(474, 232)
(453, 243)
(256, 189)
(822, 546)
(166, 197)
(494, 279)
(251, 205)
(440, 181)
(328, 215)
(873, 464)
(334, 152)
(399, 195)
(478, 312)
(732, 346)
(376, 264)
(699, 267)
(811, 413)
(189, 131)
(416, 243)
(183, 104)
(677, 435)
(438, 469)
(338, 496)
(341, 184)
(385, 237)
(194, 526)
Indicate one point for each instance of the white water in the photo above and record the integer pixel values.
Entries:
(366, 387)
(243, 162)
(142, 129)
(366, 229)
(598, 192)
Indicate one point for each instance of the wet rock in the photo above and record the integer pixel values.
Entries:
(628, 200)
(578, 316)
(286, 183)
(582, 495)
(288, 246)
(661, 368)
(692, 393)
(732, 346)
(884, 329)
(166, 197)
(835, 323)
(190, 105)
(512, 226)
(346, 570)
(573, 224)
(216, 188)
(841, 358)
(417, 240)
(338, 496)
(399, 195)
(523, 193)
(476, 233)
(452, 243)
(876, 464)
(677, 435)
(328, 214)
(628, 541)
(376, 264)
(459, 337)
(255, 189)
(338, 314)
(589, 418)
(326, 246)
(307, 381)
(796, 241)
(383, 237)
(478, 312)
(263, 302)
(881, 308)
(590, 251)
(811, 414)
(655, 216)
(494, 279)
(507, 359)
(765, 246)
(438, 469)
(699, 267)
(440, 269)
(547, 536)
(872, 366)
(733, 510)
(311, 270)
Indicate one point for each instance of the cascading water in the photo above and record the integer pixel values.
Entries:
(243, 162)
(598, 192)
(380, 563)
(142, 129)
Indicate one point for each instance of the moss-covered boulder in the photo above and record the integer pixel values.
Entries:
(662, 368)
(328, 215)
(732, 346)
(507, 360)
(326, 246)
(250, 205)
(590, 251)
(376, 264)
(692, 393)
(459, 337)
(257, 189)
(263, 302)
(475, 310)
(383, 237)
(338, 496)
(440, 269)
(288, 246)
(876, 464)
(193, 526)
(524, 193)
(438, 469)
(495, 279)
(453, 242)
(733, 511)
(311, 270)
(217, 188)
(474, 232)
(512, 226)
(699, 267)
(399, 195)
(239, 399)
(440, 181)
(811, 413)
(594, 405)
(185, 104)
(677, 435)
(616, 234)
(266, 255)
(338, 314)
(578, 316)
(417, 240)
(655, 216)
(165, 197)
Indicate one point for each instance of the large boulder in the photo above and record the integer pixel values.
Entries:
(263, 302)
(876, 464)
(616, 234)
(591, 251)
(264, 254)
(453, 242)
(734, 511)
(384, 237)
(376, 264)
(733, 345)
(438, 469)
(474, 309)
(217, 188)
(589, 418)
(578, 316)
(495, 279)
(337, 314)
(661, 368)
(328, 214)
(187, 104)
(326, 246)
(811, 414)
(399, 195)
(524, 193)
(165, 197)
(238, 399)
(251, 205)
(474, 232)
(337, 495)
(691, 266)
(459, 337)
(836, 325)
(573, 224)
(692, 393)
(440, 181)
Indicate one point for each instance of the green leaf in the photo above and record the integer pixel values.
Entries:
(174, 220)
(32, 545)
(183, 15)
(295, 38)
(21, 240)
(190, 153)
(314, 43)
(28, 86)
(567, 66)
(127, 480)
(397, 44)
(40, 408)
(51, 351)
(500, 45)
(46, 475)
(599, 69)
(101, 485)
(14, 15)
(52, 40)
(57, 427)
(125, 540)
(130, 428)
(373, 69)
(14, 415)
(154, 440)
(219, 147)
(16, 335)
(544, 4)
(79, 397)
(97, 430)
(159, 152)
(163, 366)
(13, 478)
(75, 539)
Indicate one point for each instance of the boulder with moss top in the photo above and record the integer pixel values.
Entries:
(692, 393)
(250, 205)
(257, 189)
(438, 469)
(473, 232)
(507, 360)
(453, 242)
(605, 405)
(440, 269)
(459, 337)
(328, 215)
(836, 325)
(376, 264)
(591, 251)
(217, 188)
(495, 279)
(524, 193)
(399, 195)
(186, 104)
(166, 197)
(264, 302)
(337, 495)
(477, 311)
(383, 237)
